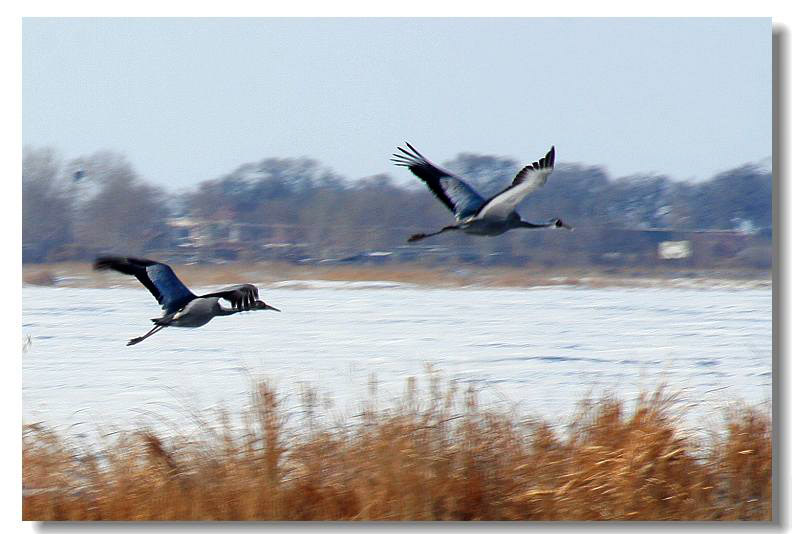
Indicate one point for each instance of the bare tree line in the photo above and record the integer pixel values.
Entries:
(73, 210)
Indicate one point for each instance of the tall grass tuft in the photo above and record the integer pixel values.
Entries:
(433, 455)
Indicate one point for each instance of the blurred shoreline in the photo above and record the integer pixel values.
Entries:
(287, 275)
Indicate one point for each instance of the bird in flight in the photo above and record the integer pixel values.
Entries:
(181, 307)
(475, 214)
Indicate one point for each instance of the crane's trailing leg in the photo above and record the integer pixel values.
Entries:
(151, 332)
(417, 237)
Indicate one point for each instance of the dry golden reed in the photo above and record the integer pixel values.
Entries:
(436, 455)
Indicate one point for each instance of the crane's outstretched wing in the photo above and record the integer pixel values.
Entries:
(158, 278)
(459, 197)
(241, 297)
(528, 180)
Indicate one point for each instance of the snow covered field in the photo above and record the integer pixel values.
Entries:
(542, 349)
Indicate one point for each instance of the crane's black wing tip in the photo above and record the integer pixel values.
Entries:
(121, 262)
(408, 160)
(103, 263)
(415, 154)
(406, 152)
(401, 161)
(548, 161)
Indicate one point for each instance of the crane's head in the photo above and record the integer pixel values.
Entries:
(261, 305)
(558, 223)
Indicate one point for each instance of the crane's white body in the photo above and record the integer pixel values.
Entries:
(196, 313)
(487, 225)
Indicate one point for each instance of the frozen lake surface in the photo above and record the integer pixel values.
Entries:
(542, 349)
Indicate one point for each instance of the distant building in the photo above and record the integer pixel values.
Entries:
(674, 250)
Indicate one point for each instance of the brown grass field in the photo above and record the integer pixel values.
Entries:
(433, 455)
(72, 274)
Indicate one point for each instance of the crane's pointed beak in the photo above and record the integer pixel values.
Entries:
(260, 305)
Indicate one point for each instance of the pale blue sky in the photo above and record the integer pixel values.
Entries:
(188, 100)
